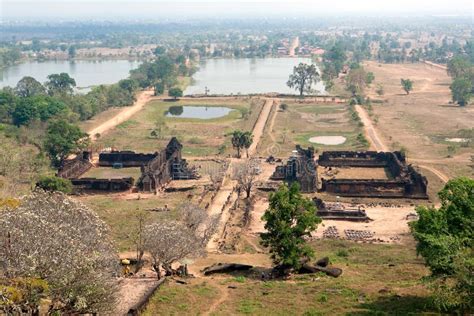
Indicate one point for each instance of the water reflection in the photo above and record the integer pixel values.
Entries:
(198, 112)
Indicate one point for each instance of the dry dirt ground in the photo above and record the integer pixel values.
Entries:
(421, 121)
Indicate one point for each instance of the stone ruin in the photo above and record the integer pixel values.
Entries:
(406, 182)
(301, 168)
(337, 211)
(76, 167)
(157, 169)
(167, 165)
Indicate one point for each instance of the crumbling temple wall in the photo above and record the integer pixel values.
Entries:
(126, 158)
(167, 165)
(300, 168)
(406, 182)
(76, 167)
(95, 184)
(366, 159)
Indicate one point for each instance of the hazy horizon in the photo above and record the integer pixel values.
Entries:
(176, 10)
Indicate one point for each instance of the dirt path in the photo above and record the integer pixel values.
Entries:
(443, 177)
(260, 125)
(127, 112)
(223, 295)
(378, 145)
(370, 131)
(272, 120)
(226, 196)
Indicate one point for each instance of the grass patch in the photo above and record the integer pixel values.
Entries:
(356, 292)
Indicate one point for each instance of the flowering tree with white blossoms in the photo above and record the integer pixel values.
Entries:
(57, 239)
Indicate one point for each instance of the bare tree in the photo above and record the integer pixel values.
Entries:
(246, 173)
(171, 241)
(216, 175)
(57, 239)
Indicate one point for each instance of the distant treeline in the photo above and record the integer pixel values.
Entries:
(9, 56)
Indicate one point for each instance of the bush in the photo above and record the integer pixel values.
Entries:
(343, 253)
(53, 183)
(284, 106)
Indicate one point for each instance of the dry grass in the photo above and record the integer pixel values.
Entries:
(377, 279)
(302, 121)
(421, 121)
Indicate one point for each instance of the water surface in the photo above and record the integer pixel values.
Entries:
(86, 73)
(198, 112)
(246, 76)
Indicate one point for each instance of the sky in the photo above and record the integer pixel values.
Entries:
(138, 9)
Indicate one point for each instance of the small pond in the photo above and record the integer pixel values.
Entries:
(198, 112)
(328, 140)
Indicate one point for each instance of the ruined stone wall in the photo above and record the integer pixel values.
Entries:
(406, 182)
(122, 184)
(167, 165)
(367, 159)
(76, 167)
(301, 169)
(126, 158)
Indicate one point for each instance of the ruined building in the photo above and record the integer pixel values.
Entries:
(300, 168)
(167, 165)
(405, 182)
(157, 169)
(338, 212)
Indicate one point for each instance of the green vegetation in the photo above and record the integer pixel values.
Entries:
(175, 93)
(241, 140)
(303, 77)
(445, 239)
(407, 85)
(9, 56)
(461, 69)
(333, 62)
(289, 219)
(63, 139)
(461, 90)
(53, 183)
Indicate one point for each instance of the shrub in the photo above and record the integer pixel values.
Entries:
(53, 183)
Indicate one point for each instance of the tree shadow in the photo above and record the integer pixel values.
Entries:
(395, 305)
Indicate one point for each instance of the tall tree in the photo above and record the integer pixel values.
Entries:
(459, 66)
(28, 87)
(289, 220)
(445, 238)
(334, 58)
(61, 84)
(461, 90)
(241, 140)
(356, 81)
(303, 77)
(407, 85)
(63, 139)
(175, 93)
